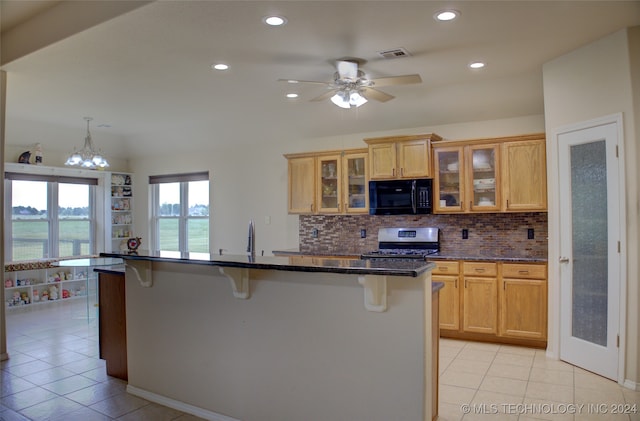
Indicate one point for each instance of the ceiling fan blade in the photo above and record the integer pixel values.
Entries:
(397, 80)
(371, 93)
(294, 81)
(347, 70)
(324, 96)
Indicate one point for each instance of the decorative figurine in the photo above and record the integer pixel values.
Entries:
(133, 244)
(24, 157)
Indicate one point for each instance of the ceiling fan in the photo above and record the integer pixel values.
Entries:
(351, 88)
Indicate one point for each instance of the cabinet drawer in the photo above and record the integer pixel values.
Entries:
(480, 268)
(446, 268)
(526, 271)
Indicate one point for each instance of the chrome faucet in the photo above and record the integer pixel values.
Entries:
(251, 240)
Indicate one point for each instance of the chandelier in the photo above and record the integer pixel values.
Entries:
(87, 157)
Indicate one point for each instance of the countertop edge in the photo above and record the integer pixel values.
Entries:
(405, 272)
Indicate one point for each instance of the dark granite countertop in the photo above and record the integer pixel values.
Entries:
(111, 270)
(391, 267)
(506, 257)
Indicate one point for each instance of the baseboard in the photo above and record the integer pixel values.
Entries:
(180, 406)
(630, 384)
(4, 356)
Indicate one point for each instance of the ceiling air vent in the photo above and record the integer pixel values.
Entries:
(394, 53)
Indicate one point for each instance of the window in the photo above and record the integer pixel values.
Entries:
(180, 212)
(49, 216)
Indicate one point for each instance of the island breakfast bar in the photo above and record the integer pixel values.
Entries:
(272, 338)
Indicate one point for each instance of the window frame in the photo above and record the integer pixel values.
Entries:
(53, 215)
(183, 217)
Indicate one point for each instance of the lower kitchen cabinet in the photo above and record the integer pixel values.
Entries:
(449, 313)
(480, 297)
(493, 302)
(523, 301)
(112, 330)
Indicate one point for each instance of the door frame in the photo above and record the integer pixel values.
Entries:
(553, 172)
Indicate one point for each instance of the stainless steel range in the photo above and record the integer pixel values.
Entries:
(405, 243)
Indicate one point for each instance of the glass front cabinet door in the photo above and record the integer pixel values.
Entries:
(355, 183)
(449, 180)
(483, 167)
(329, 188)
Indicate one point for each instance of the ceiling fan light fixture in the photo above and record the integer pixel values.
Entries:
(446, 15)
(348, 99)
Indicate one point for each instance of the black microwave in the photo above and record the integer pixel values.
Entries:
(400, 197)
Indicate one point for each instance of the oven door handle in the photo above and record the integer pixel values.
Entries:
(413, 197)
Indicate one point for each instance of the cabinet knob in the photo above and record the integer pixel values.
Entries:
(564, 260)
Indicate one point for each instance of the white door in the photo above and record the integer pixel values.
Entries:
(590, 248)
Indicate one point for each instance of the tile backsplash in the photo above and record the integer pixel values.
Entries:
(500, 234)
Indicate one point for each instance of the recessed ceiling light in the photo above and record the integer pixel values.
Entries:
(275, 20)
(477, 65)
(220, 66)
(292, 96)
(446, 15)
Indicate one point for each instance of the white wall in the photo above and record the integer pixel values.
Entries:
(588, 83)
(252, 183)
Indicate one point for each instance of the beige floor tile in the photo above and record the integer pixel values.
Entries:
(543, 375)
(449, 412)
(515, 359)
(151, 412)
(461, 379)
(496, 398)
(469, 366)
(483, 346)
(602, 396)
(504, 385)
(443, 364)
(474, 354)
(542, 361)
(546, 410)
(518, 350)
(455, 395)
(453, 343)
(632, 397)
(489, 417)
(58, 405)
(509, 371)
(588, 380)
(550, 392)
(119, 405)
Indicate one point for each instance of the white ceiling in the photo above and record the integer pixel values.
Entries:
(147, 73)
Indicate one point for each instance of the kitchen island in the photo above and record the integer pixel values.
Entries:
(270, 338)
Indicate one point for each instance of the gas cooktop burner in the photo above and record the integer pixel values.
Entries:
(405, 243)
(399, 253)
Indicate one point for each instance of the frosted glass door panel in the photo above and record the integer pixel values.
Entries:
(590, 233)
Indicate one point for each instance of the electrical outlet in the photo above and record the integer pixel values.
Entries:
(363, 233)
(465, 233)
(314, 233)
(530, 234)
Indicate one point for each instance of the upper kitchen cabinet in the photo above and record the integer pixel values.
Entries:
(398, 157)
(333, 182)
(490, 175)
(467, 178)
(355, 176)
(448, 183)
(342, 182)
(302, 181)
(525, 175)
